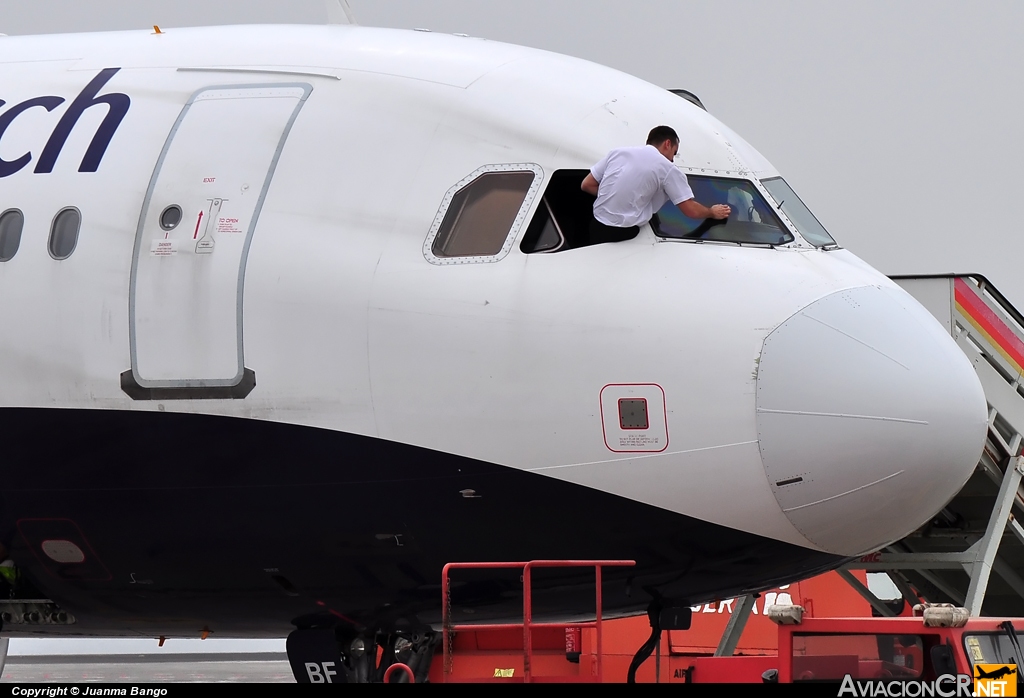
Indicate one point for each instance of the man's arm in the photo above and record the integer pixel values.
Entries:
(691, 209)
(590, 185)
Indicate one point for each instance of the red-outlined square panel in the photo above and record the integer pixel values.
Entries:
(634, 417)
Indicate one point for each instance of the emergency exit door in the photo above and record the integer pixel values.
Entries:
(196, 226)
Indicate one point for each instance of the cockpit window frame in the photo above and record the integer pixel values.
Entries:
(827, 247)
(520, 221)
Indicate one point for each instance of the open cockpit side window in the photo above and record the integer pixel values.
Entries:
(481, 216)
(752, 221)
(562, 220)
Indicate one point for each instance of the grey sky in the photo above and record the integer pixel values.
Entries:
(897, 122)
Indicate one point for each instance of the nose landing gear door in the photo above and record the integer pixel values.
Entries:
(196, 226)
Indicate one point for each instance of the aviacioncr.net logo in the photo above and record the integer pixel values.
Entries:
(946, 686)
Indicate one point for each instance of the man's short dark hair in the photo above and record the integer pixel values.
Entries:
(660, 134)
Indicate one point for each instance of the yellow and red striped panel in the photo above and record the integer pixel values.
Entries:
(991, 326)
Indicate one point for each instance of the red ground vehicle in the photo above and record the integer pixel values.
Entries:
(815, 649)
(828, 649)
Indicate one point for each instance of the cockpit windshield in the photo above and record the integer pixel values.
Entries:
(804, 221)
(752, 220)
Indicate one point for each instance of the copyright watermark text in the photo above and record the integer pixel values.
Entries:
(55, 691)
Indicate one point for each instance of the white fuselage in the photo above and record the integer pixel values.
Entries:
(348, 326)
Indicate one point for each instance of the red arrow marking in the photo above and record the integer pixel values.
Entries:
(196, 234)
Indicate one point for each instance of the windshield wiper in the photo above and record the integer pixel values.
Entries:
(1011, 632)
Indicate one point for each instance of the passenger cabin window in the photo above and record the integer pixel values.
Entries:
(752, 220)
(481, 215)
(801, 216)
(64, 233)
(11, 224)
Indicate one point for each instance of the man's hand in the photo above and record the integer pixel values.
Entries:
(691, 209)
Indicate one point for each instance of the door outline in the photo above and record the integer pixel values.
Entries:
(243, 383)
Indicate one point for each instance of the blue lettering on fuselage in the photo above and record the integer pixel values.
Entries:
(117, 107)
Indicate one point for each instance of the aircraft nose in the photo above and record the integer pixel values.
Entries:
(869, 418)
